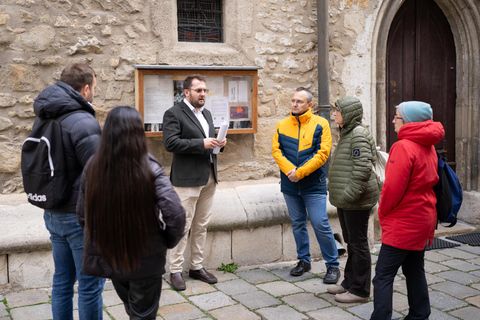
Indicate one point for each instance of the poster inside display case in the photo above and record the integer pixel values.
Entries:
(231, 97)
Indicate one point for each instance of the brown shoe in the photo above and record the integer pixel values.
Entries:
(336, 289)
(202, 275)
(177, 281)
(348, 297)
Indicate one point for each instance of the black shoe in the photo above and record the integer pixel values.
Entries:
(332, 276)
(301, 268)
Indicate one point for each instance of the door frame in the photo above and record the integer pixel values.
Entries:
(466, 33)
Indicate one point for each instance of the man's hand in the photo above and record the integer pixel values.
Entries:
(292, 175)
(211, 143)
(223, 143)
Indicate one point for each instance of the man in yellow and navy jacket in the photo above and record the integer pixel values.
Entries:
(301, 146)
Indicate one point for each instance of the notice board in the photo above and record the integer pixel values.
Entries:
(232, 95)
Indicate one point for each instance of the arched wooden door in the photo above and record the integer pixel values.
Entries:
(421, 66)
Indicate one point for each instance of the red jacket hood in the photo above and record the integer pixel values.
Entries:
(426, 133)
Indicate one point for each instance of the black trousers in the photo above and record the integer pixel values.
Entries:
(412, 263)
(141, 298)
(358, 270)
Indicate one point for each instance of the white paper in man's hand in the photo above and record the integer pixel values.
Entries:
(222, 133)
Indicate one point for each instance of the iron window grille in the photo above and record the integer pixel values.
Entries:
(199, 20)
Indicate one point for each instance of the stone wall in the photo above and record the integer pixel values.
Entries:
(39, 37)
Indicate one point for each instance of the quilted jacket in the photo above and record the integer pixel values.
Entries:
(303, 143)
(80, 131)
(352, 184)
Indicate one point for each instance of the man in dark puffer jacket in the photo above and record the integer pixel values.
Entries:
(80, 135)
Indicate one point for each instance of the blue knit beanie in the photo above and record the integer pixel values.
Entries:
(415, 111)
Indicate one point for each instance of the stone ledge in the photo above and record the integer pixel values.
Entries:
(237, 205)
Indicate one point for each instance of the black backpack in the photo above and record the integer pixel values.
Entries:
(43, 165)
(449, 194)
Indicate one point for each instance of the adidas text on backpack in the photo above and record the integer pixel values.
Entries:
(449, 194)
(43, 165)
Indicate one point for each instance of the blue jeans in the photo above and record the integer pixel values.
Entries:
(315, 205)
(67, 248)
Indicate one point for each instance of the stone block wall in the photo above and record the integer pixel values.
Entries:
(39, 37)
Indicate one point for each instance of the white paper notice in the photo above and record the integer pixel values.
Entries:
(222, 133)
(218, 106)
(216, 86)
(233, 91)
(157, 97)
(242, 91)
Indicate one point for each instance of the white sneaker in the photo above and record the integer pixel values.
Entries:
(336, 289)
(348, 297)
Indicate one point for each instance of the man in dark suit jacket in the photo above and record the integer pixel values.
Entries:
(189, 133)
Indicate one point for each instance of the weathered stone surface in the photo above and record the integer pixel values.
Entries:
(24, 114)
(86, 44)
(13, 185)
(21, 78)
(39, 38)
(4, 17)
(3, 270)
(124, 73)
(114, 91)
(62, 21)
(31, 270)
(5, 123)
(245, 241)
(9, 157)
(129, 31)
(139, 54)
(7, 100)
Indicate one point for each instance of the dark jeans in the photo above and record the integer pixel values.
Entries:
(140, 297)
(358, 269)
(412, 263)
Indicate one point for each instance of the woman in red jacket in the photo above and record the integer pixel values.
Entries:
(407, 211)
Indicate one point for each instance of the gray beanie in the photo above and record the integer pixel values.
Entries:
(415, 111)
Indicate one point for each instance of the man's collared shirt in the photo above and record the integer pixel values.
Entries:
(200, 117)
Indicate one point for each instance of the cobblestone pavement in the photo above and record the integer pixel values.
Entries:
(269, 292)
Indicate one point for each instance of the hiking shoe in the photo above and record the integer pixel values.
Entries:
(336, 289)
(301, 268)
(349, 297)
(332, 276)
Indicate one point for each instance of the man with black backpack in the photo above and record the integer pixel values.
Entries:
(68, 103)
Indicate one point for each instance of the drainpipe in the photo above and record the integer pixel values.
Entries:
(322, 45)
(322, 64)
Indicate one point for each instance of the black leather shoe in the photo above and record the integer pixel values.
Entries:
(332, 276)
(202, 275)
(301, 268)
(177, 281)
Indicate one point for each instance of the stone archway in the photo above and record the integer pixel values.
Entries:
(464, 17)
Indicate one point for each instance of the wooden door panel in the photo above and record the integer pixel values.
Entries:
(421, 66)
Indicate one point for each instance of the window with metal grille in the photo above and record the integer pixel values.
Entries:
(199, 20)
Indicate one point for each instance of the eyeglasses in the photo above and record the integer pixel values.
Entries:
(199, 90)
(395, 117)
(298, 101)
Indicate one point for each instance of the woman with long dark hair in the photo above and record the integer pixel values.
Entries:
(130, 214)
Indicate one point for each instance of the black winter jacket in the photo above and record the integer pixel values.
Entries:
(165, 231)
(80, 131)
